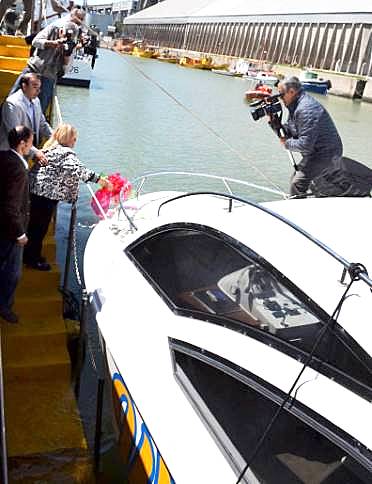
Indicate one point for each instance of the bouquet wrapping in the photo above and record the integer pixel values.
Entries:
(109, 198)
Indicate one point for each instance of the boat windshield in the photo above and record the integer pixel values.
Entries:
(210, 276)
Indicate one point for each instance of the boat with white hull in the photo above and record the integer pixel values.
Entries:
(262, 76)
(79, 72)
(235, 351)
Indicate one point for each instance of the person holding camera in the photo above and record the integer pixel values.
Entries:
(310, 131)
(53, 48)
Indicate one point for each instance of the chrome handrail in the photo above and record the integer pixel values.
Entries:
(224, 180)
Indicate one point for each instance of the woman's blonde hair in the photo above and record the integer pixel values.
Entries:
(61, 135)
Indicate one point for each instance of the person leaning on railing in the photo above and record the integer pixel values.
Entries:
(50, 58)
(54, 182)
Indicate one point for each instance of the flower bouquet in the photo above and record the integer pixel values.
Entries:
(109, 198)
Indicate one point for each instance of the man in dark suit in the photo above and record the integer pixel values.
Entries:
(14, 208)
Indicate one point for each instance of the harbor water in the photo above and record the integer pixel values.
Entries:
(127, 123)
(142, 115)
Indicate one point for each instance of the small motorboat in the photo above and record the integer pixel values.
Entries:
(203, 63)
(236, 334)
(259, 92)
(227, 72)
(311, 81)
(165, 56)
(147, 52)
(79, 72)
(266, 77)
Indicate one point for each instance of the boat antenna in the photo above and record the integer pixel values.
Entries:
(209, 128)
(355, 270)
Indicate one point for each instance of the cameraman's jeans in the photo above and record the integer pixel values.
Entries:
(308, 169)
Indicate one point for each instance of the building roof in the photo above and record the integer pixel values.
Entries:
(242, 8)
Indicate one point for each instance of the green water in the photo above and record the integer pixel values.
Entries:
(128, 124)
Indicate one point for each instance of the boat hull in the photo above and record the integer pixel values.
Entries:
(79, 73)
(137, 450)
(317, 87)
(268, 80)
(226, 73)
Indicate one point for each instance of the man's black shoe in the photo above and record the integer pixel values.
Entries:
(8, 315)
(39, 265)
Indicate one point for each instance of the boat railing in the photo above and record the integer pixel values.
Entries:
(3, 447)
(355, 270)
(227, 181)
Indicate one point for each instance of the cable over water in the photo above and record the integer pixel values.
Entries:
(209, 128)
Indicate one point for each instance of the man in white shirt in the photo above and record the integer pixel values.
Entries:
(23, 108)
(14, 209)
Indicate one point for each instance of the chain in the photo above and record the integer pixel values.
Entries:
(75, 256)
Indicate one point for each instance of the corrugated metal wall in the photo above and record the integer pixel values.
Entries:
(343, 47)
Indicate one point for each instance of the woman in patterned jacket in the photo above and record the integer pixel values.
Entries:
(54, 182)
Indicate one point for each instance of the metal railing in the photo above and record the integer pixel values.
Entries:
(224, 179)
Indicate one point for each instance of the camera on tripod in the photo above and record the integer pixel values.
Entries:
(69, 43)
(269, 106)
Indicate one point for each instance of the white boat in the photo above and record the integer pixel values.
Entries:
(225, 72)
(79, 72)
(219, 322)
(263, 76)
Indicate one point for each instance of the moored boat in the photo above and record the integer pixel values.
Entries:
(267, 77)
(259, 92)
(79, 72)
(147, 52)
(203, 63)
(311, 81)
(220, 341)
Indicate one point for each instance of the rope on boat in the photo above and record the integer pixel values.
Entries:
(354, 272)
(209, 128)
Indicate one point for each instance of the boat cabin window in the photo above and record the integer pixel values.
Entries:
(237, 410)
(208, 275)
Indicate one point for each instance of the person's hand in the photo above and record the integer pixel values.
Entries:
(41, 158)
(55, 44)
(22, 241)
(105, 183)
(282, 140)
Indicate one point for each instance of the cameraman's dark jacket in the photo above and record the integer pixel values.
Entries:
(312, 133)
(48, 62)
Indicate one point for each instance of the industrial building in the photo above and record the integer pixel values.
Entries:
(321, 36)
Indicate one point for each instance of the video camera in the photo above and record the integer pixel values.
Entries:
(270, 105)
(69, 43)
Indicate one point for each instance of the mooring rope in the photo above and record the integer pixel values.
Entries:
(209, 128)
